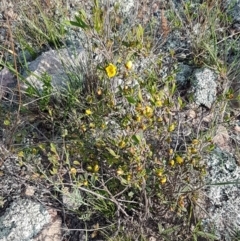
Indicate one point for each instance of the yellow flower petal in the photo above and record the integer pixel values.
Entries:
(159, 103)
(163, 180)
(96, 168)
(195, 141)
(179, 160)
(88, 112)
(73, 171)
(122, 144)
(171, 163)
(111, 70)
(120, 171)
(129, 65)
(171, 128)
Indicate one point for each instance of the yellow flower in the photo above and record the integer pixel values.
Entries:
(194, 151)
(73, 171)
(99, 92)
(160, 172)
(143, 127)
(179, 160)
(96, 168)
(111, 70)
(171, 128)
(195, 141)
(159, 119)
(171, 163)
(129, 177)
(159, 103)
(163, 179)
(21, 154)
(91, 125)
(122, 144)
(83, 127)
(138, 118)
(129, 64)
(120, 171)
(148, 111)
(88, 112)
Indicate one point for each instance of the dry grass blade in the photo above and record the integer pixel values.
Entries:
(15, 65)
(164, 25)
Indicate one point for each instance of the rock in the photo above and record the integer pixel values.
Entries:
(222, 204)
(10, 183)
(58, 64)
(204, 87)
(237, 129)
(52, 232)
(183, 75)
(221, 139)
(7, 79)
(23, 220)
(191, 114)
(125, 6)
(233, 9)
(30, 190)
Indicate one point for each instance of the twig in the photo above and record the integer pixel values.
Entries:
(15, 66)
(114, 200)
(88, 230)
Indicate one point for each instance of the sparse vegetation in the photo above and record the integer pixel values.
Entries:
(114, 141)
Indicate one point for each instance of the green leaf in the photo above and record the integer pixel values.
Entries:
(54, 171)
(130, 44)
(112, 152)
(80, 24)
(97, 17)
(53, 148)
(53, 159)
(80, 21)
(173, 89)
(169, 230)
(140, 95)
(136, 138)
(76, 163)
(236, 182)
(131, 194)
(6, 122)
(139, 33)
(180, 101)
(131, 100)
(206, 235)
(194, 237)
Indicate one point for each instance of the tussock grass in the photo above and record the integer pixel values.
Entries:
(113, 141)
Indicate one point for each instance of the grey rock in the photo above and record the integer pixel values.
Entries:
(125, 6)
(7, 79)
(58, 64)
(183, 75)
(23, 220)
(233, 9)
(204, 87)
(26, 55)
(223, 200)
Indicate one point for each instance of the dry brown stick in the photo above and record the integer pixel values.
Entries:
(15, 66)
(113, 199)
(164, 25)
